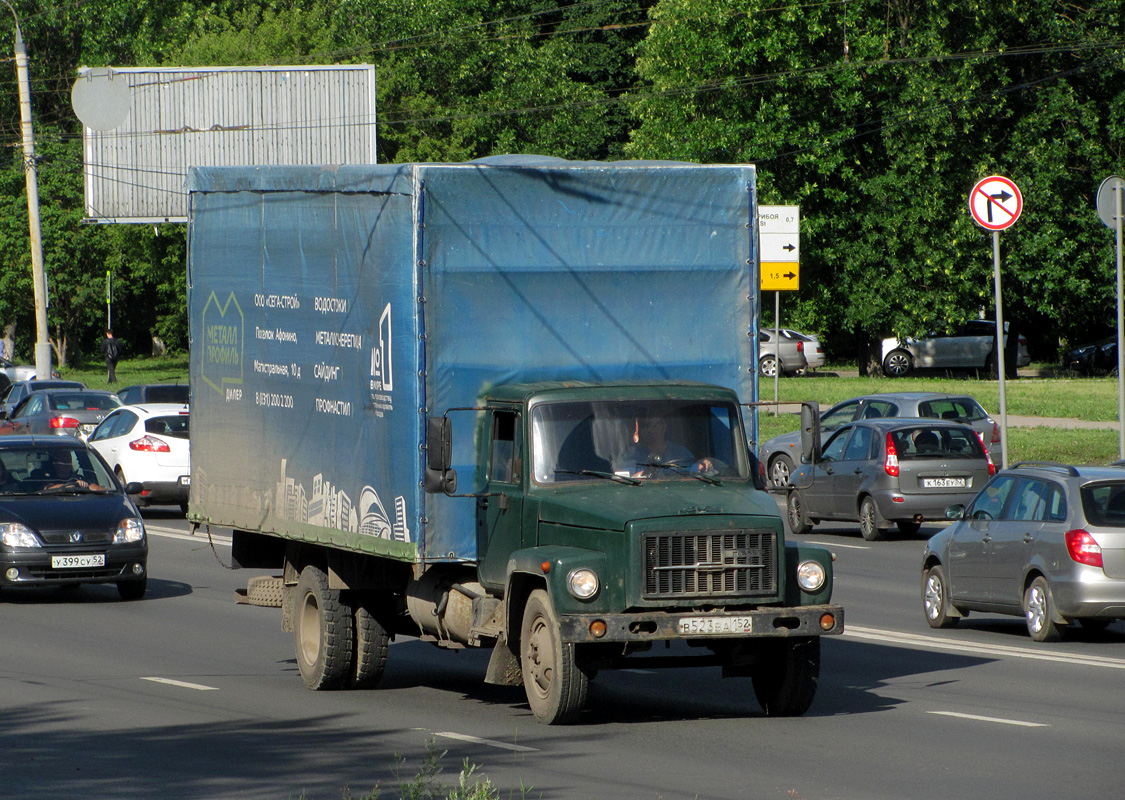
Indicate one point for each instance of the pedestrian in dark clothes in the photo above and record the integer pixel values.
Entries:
(111, 349)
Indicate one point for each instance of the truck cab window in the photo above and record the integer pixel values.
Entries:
(505, 447)
(649, 439)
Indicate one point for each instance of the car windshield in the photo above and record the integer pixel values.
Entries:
(1104, 504)
(48, 470)
(924, 441)
(637, 440)
(83, 402)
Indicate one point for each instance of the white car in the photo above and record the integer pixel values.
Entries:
(148, 444)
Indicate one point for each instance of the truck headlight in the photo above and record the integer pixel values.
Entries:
(810, 576)
(129, 529)
(16, 534)
(583, 583)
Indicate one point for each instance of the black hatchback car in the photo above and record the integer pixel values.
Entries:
(65, 519)
(880, 472)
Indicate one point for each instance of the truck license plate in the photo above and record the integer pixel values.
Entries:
(943, 483)
(77, 562)
(714, 626)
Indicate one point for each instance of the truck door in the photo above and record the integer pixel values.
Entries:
(500, 511)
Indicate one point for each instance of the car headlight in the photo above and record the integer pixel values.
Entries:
(583, 583)
(16, 534)
(810, 575)
(129, 529)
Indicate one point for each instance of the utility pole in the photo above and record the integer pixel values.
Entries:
(31, 173)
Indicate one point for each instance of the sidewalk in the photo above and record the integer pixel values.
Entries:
(1014, 420)
(1055, 422)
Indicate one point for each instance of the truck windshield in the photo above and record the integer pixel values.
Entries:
(647, 440)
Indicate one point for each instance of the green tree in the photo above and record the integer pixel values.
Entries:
(877, 118)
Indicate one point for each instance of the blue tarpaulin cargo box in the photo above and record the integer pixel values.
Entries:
(334, 309)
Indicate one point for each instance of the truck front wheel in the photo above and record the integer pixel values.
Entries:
(556, 687)
(786, 678)
(322, 631)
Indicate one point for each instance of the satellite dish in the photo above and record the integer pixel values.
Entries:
(101, 98)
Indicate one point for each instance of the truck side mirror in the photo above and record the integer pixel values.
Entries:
(439, 443)
(440, 481)
(810, 432)
(439, 478)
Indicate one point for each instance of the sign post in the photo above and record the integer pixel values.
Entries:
(1109, 209)
(996, 203)
(779, 229)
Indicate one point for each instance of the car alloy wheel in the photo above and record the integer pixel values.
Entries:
(897, 364)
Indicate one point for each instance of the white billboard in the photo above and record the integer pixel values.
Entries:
(144, 126)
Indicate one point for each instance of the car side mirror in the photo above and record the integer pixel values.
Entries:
(955, 512)
(134, 487)
(810, 432)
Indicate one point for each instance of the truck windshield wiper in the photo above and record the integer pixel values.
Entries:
(609, 476)
(680, 469)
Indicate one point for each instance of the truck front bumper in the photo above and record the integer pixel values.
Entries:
(651, 626)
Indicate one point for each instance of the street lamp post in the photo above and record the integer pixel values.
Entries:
(31, 173)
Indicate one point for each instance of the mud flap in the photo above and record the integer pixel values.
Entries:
(503, 666)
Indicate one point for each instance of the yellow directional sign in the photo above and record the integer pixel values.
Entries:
(780, 243)
(780, 276)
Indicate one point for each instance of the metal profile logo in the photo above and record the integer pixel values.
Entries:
(382, 375)
(223, 343)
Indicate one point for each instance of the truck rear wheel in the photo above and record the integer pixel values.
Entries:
(371, 640)
(322, 631)
(786, 679)
(555, 685)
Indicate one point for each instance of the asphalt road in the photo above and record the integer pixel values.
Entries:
(188, 695)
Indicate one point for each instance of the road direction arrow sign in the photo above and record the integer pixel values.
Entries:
(779, 230)
(995, 203)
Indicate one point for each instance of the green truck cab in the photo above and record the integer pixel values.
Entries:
(611, 518)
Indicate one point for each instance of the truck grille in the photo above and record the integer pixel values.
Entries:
(710, 563)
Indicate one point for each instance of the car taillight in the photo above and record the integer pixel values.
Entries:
(800, 347)
(64, 422)
(149, 444)
(987, 455)
(995, 434)
(1082, 548)
(890, 463)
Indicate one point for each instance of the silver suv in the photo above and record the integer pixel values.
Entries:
(967, 347)
(1044, 541)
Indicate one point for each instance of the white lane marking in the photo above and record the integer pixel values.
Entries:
(935, 643)
(461, 737)
(199, 687)
(1000, 720)
(837, 544)
(200, 535)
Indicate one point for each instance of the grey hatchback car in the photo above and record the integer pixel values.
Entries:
(781, 453)
(1044, 541)
(883, 471)
(60, 412)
